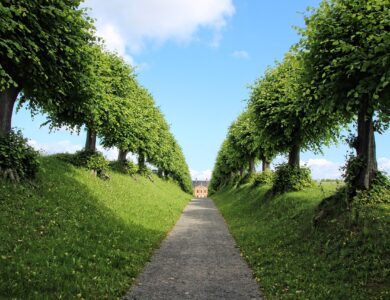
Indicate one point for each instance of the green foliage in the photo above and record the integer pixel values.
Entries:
(263, 178)
(242, 140)
(234, 181)
(292, 260)
(125, 167)
(18, 160)
(104, 87)
(138, 126)
(145, 172)
(97, 163)
(223, 169)
(247, 177)
(347, 55)
(281, 118)
(290, 178)
(91, 160)
(351, 169)
(72, 78)
(81, 158)
(284, 109)
(72, 236)
(379, 193)
(239, 152)
(66, 157)
(43, 49)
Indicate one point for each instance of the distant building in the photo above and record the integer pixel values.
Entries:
(201, 188)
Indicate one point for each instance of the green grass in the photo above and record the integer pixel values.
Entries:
(341, 258)
(72, 235)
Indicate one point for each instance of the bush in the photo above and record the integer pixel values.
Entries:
(378, 193)
(351, 168)
(81, 158)
(288, 178)
(265, 177)
(97, 163)
(91, 160)
(66, 157)
(18, 160)
(233, 181)
(247, 177)
(126, 167)
(146, 172)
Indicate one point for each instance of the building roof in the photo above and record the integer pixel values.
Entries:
(200, 183)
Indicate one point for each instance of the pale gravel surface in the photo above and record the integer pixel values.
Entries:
(198, 260)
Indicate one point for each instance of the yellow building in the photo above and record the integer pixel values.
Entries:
(201, 189)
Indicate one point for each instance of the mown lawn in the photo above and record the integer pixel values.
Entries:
(340, 258)
(71, 235)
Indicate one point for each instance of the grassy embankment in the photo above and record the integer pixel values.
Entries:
(340, 258)
(71, 235)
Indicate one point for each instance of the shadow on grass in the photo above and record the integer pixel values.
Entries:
(58, 241)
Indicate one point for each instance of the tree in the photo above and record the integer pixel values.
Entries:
(177, 166)
(42, 53)
(347, 54)
(130, 123)
(222, 171)
(264, 151)
(243, 139)
(136, 125)
(285, 118)
(104, 85)
(226, 166)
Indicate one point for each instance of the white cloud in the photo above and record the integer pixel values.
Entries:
(384, 164)
(128, 25)
(114, 41)
(67, 146)
(240, 54)
(320, 167)
(323, 169)
(64, 146)
(200, 175)
(110, 154)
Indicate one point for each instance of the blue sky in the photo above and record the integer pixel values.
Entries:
(197, 58)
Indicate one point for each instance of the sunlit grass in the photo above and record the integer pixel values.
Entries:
(73, 235)
(292, 259)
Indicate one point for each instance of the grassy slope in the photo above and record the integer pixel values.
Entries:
(293, 260)
(73, 235)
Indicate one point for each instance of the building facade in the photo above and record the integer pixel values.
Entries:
(201, 189)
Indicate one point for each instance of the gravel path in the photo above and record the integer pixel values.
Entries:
(198, 260)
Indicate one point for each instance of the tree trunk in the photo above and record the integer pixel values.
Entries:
(294, 156)
(141, 161)
(266, 164)
(366, 149)
(252, 168)
(7, 102)
(90, 143)
(241, 171)
(122, 155)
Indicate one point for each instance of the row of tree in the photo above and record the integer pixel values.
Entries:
(337, 74)
(52, 61)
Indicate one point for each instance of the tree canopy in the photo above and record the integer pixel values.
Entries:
(347, 54)
(283, 110)
(43, 52)
(337, 74)
(51, 58)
